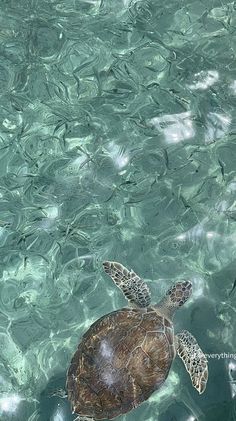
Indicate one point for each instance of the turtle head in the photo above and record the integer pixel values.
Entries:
(174, 298)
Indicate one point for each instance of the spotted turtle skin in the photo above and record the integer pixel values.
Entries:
(122, 359)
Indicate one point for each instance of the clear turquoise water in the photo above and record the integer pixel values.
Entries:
(117, 142)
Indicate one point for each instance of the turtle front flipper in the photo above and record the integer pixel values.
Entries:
(175, 297)
(193, 358)
(133, 287)
(81, 418)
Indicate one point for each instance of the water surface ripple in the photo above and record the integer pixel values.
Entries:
(117, 141)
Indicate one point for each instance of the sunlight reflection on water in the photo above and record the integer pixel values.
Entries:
(175, 127)
(117, 141)
(9, 404)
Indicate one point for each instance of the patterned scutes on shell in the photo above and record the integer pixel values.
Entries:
(123, 358)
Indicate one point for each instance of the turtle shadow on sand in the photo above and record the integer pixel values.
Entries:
(52, 401)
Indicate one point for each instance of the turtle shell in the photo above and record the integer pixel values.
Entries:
(122, 359)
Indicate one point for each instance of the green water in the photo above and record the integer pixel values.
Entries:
(117, 142)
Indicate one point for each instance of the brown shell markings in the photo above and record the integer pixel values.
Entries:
(122, 359)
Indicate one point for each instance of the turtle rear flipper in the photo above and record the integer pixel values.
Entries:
(193, 358)
(132, 286)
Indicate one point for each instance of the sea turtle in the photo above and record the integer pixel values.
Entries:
(126, 355)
